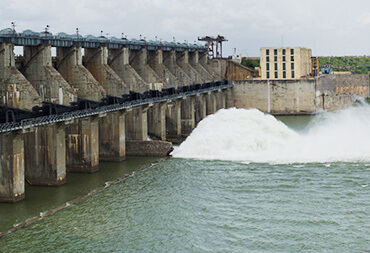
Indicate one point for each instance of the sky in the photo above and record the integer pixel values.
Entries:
(328, 27)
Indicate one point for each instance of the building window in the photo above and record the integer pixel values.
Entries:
(275, 58)
(284, 74)
(283, 51)
(292, 58)
(283, 58)
(276, 66)
(267, 75)
(267, 51)
(292, 51)
(292, 66)
(267, 66)
(284, 67)
(267, 58)
(292, 74)
(275, 51)
(276, 74)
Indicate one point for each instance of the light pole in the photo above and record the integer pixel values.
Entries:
(46, 30)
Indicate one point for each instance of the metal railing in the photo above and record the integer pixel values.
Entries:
(29, 38)
(68, 116)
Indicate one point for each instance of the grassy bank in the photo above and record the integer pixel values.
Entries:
(358, 65)
(250, 63)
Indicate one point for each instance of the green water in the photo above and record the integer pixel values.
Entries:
(186, 205)
(40, 198)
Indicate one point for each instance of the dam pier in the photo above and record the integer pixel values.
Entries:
(98, 100)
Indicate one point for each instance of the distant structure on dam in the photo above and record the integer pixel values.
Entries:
(289, 82)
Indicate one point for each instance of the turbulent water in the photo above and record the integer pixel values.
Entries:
(251, 136)
(256, 185)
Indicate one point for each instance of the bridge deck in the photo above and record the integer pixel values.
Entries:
(29, 38)
(45, 120)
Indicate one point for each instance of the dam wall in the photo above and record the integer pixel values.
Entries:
(276, 97)
(302, 96)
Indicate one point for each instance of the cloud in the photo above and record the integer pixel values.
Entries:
(327, 25)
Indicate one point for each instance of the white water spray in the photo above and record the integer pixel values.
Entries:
(252, 136)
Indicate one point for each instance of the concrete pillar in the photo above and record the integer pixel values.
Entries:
(96, 61)
(137, 123)
(169, 60)
(112, 137)
(220, 100)
(206, 63)
(200, 107)
(82, 149)
(194, 62)
(119, 61)
(187, 115)
(15, 90)
(173, 121)
(12, 183)
(157, 121)
(229, 97)
(69, 65)
(182, 59)
(45, 155)
(155, 61)
(139, 61)
(211, 103)
(39, 70)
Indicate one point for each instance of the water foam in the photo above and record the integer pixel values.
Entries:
(252, 136)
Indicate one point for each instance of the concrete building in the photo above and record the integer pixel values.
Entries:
(285, 63)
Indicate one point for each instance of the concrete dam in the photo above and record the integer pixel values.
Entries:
(98, 100)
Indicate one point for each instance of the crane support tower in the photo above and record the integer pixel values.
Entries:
(211, 43)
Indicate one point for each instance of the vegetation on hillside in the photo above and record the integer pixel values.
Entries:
(358, 65)
(250, 63)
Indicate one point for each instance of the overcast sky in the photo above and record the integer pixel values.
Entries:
(328, 27)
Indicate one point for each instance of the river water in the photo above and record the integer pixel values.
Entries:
(243, 181)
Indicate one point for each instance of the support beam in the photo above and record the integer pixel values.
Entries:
(220, 100)
(210, 66)
(139, 61)
(187, 115)
(47, 81)
(119, 61)
(157, 121)
(229, 97)
(155, 61)
(204, 73)
(83, 145)
(12, 183)
(71, 68)
(15, 90)
(173, 121)
(96, 61)
(137, 123)
(45, 155)
(183, 61)
(200, 107)
(211, 103)
(169, 59)
(112, 137)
